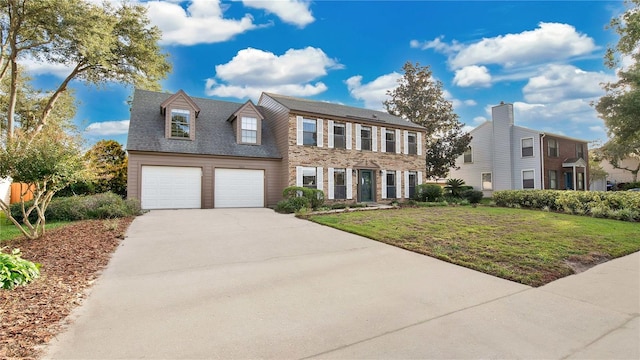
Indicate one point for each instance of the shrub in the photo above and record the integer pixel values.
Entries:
(473, 196)
(16, 271)
(291, 205)
(428, 192)
(454, 187)
(315, 196)
(631, 185)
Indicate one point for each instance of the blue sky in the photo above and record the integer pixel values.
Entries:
(545, 57)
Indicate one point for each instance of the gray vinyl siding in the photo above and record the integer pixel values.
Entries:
(501, 147)
(525, 163)
(208, 164)
(481, 146)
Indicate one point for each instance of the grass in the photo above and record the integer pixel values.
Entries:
(530, 247)
(9, 231)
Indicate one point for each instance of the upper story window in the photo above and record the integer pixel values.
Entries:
(552, 144)
(528, 181)
(339, 136)
(468, 155)
(249, 128)
(579, 151)
(309, 132)
(180, 120)
(365, 138)
(413, 143)
(390, 140)
(527, 147)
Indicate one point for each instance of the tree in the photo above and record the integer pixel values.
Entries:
(620, 106)
(596, 172)
(108, 161)
(420, 99)
(47, 161)
(98, 43)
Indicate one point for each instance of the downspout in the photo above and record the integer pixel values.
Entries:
(542, 160)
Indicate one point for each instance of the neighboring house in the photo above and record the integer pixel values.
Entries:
(199, 153)
(615, 176)
(5, 190)
(503, 156)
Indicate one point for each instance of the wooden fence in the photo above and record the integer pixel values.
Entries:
(17, 189)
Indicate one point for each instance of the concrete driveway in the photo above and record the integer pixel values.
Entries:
(250, 283)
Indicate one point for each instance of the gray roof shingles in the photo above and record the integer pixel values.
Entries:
(213, 135)
(342, 111)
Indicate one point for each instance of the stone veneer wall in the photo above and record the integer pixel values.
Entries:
(325, 157)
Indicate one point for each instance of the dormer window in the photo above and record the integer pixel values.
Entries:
(249, 130)
(180, 123)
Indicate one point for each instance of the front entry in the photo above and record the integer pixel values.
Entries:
(366, 186)
(568, 181)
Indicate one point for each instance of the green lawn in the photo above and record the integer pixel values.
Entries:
(8, 231)
(530, 247)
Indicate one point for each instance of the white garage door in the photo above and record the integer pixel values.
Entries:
(169, 187)
(239, 188)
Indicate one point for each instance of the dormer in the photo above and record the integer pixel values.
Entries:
(180, 112)
(247, 124)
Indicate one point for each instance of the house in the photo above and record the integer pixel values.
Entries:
(187, 152)
(504, 156)
(615, 176)
(5, 190)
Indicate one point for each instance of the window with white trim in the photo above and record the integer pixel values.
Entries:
(579, 151)
(180, 123)
(309, 178)
(365, 138)
(487, 181)
(552, 144)
(413, 181)
(339, 184)
(391, 184)
(249, 130)
(412, 143)
(580, 181)
(527, 147)
(309, 132)
(339, 136)
(468, 155)
(553, 179)
(528, 181)
(390, 141)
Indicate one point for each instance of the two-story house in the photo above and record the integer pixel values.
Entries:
(503, 156)
(189, 152)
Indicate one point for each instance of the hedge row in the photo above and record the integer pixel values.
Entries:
(620, 205)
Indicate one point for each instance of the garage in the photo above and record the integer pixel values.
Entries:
(171, 187)
(238, 188)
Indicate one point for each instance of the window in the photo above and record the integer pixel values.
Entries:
(553, 147)
(486, 181)
(365, 136)
(468, 155)
(390, 139)
(339, 184)
(580, 180)
(579, 151)
(527, 179)
(553, 179)
(413, 181)
(309, 178)
(413, 143)
(180, 123)
(527, 147)
(339, 136)
(309, 135)
(391, 184)
(249, 130)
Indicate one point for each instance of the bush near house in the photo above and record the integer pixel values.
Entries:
(297, 198)
(101, 206)
(428, 192)
(624, 205)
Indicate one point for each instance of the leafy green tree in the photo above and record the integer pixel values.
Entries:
(620, 106)
(108, 161)
(99, 44)
(47, 161)
(420, 99)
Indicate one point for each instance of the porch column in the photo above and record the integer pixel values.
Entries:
(575, 178)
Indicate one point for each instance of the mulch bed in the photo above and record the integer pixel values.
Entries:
(72, 257)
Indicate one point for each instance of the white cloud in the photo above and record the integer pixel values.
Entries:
(472, 76)
(479, 119)
(107, 128)
(202, 22)
(470, 102)
(562, 82)
(252, 71)
(35, 67)
(375, 92)
(575, 116)
(596, 128)
(294, 12)
(438, 45)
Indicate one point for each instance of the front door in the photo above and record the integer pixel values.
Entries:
(568, 181)
(366, 186)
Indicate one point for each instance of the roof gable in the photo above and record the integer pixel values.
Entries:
(180, 94)
(247, 106)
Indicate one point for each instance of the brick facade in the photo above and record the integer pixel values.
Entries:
(566, 150)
